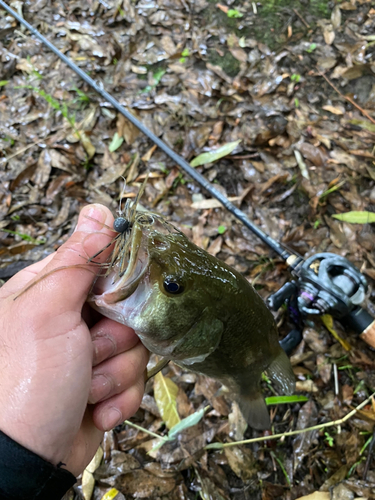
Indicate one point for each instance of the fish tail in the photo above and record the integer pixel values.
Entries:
(281, 373)
(254, 410)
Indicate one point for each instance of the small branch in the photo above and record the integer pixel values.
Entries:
(219, 446)
(7, 158)
(302, 19)
(143, 429)
(349, 99)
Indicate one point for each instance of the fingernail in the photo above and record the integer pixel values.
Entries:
(86, 222)
(111, 417)
(100, 388)
(104, 347)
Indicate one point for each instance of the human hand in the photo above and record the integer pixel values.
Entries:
(55, 359)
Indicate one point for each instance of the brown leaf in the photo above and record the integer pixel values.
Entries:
(63, 214)
(317, 342)
(112, 173)
(307, 417)
(60, 161)
(338, 476)
(120, 463)
(239, 54)
(237, 423)
(317, 156)
(333, 109)
(336, 17)
(215, 246)
(43, 170)
(324, 368)
(168, 45)
(329, 34)
(242, 462)
(317, 495)
(210, 388)
(347, 394)
(142, 484)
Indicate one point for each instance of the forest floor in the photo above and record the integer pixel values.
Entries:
(294, 81)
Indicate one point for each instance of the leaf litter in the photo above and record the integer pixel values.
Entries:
(241, 85)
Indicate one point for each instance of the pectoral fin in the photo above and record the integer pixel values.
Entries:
(254, 410)
(200, 341)
(281, 373)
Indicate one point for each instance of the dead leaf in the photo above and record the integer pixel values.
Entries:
(242, 462)
(215, 246)
(142, 484)
(336, 17)
(307, 417)
(328, 34)
(317, 495)
(333, 109)
(43, 170)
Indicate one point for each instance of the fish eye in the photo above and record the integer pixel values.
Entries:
(172, 286)
(120, 224)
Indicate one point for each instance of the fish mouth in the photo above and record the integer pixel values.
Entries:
(148, 234)
(118, 286)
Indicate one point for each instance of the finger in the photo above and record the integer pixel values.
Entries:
(117, 374)
(67, 288)
(110, 338)
(115, 410)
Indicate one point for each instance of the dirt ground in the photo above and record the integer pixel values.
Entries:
(294, 81)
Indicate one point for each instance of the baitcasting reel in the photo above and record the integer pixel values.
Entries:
(327, 284)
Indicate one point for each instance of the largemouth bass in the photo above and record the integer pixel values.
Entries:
(188, 306)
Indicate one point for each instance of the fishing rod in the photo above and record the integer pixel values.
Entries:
(325, 283)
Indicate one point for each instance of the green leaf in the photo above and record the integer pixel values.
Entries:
(356, 217)
(3, 82)
(363, 124)
(25, 237)
(158, 75)
(221, 229)
(189, 421)
(165, 393)
(214, 155)
(234, 13)
(295, 77)
(115, 143)
(185, 53)
(311, 48)
(282, 400)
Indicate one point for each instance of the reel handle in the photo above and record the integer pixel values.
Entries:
(362, 323)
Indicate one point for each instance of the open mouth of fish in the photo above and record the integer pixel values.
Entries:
(144, 235)
(118, 285)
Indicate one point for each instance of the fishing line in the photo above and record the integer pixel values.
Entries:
(293, 260)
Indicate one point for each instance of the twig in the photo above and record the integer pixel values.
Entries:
(219, 446)
(7, 158)
(244, 157)
(302, 19)
(143, 429)
(349, 99)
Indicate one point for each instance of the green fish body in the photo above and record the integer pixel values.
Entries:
(195, 310)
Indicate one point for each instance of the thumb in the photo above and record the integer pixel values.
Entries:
(66, 289)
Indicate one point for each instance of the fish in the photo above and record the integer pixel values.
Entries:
(193, 309)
